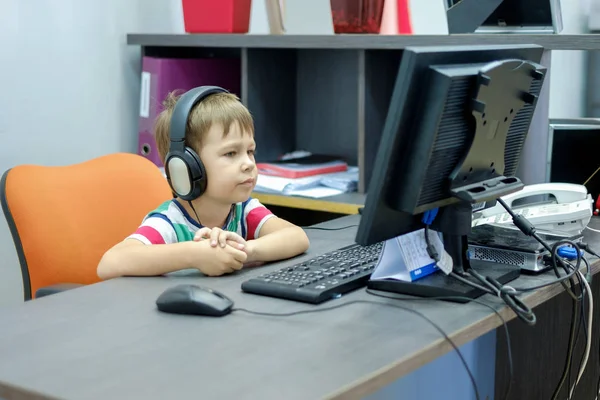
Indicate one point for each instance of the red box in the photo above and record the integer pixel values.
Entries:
(216, 16)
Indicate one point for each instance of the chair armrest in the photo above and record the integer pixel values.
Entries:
(53, 289)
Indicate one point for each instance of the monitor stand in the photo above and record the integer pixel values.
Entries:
(454, 222)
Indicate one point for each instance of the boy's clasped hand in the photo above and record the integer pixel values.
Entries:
(231, 251)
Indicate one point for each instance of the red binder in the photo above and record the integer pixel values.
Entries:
(302, 166)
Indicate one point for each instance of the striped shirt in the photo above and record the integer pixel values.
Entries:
(171, 223)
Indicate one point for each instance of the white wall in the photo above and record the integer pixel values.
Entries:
(568, 68)
(69, 87)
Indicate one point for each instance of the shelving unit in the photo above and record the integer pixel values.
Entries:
(360, 42)
(330, 94)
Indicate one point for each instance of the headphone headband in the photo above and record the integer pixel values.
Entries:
(182, 110)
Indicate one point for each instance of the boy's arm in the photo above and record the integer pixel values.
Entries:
(132, 257)
(153, 249)
(278, 239)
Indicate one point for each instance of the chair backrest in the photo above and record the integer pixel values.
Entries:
(63, 218)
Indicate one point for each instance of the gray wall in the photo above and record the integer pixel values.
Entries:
(69, 87)
(593, 67)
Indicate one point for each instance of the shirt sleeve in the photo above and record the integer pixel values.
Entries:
(155, 229)
(255, 215)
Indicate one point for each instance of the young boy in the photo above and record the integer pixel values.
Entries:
(223, 229)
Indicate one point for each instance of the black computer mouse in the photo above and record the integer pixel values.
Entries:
(193, 299)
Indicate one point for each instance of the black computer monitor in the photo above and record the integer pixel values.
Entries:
(456, 124)
(503, 16)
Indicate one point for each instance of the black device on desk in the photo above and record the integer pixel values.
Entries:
(456, 123)
(194, 299)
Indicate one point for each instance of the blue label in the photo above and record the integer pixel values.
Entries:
(423, 271)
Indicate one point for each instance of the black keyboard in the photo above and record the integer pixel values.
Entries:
(320, 278)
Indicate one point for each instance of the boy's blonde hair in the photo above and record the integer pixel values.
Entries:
(224, 109)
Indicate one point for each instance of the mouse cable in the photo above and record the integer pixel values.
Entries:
(587, 324)
(557, 258)
(573, 339)
(571, 270)
(572, 342)
(436, 326)
(570, 347)
(588, 346)
(588, 269)
(587, 248)
(582, 323)
(318, 228)
(465, 299)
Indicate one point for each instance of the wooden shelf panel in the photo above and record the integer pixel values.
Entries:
(347, 203)
(384, 42)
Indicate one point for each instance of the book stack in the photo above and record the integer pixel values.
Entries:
(309, 176)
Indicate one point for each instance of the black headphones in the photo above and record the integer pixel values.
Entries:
(185, 172)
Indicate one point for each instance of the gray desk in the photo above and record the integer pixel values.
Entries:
(108, 341)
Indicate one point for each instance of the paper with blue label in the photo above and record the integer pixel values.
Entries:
(405, 257)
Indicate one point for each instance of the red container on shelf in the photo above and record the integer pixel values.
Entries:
(216, 16)
(357, 16)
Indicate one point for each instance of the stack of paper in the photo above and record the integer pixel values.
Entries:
(316, 186)
(346, 181)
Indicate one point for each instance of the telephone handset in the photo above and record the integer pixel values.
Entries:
(568, 212)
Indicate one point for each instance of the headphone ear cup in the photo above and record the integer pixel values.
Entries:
(198, 177)
(178, 174)
(186, 174)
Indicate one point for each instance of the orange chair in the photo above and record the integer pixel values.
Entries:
(63, 218)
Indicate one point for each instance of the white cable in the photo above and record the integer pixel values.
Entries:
(588, 344)
(592, 229)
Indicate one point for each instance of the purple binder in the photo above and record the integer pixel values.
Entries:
(163, 75)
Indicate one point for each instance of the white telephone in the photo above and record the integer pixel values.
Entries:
(568, 216)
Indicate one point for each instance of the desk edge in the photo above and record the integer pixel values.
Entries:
(396, 370)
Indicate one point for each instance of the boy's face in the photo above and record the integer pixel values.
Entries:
(229, 163)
